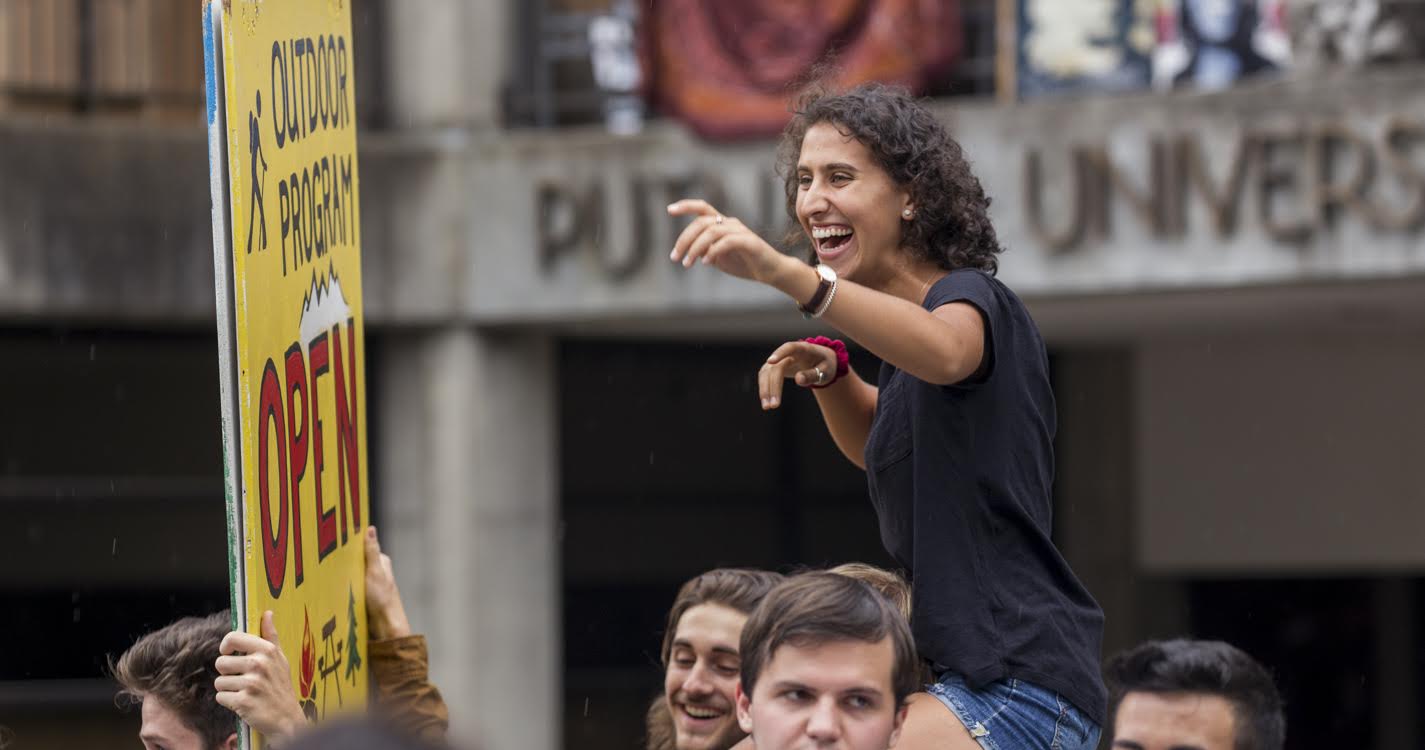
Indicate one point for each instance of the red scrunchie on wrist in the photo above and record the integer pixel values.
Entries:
(843, 359)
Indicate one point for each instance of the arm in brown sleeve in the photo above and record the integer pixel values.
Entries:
(400, 676)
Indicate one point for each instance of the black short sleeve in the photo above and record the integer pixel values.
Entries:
(979, 290)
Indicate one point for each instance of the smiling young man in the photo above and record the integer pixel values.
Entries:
(1192, 695)
(701, 660)
(827, 663)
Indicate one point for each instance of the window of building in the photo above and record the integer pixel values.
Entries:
(139, 59)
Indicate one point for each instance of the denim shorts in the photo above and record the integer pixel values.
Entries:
(1016, 715)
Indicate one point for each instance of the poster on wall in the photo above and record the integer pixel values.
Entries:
(1212, 44)
(287, 260)
(1084, 46)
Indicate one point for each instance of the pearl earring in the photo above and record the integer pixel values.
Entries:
(906, 213)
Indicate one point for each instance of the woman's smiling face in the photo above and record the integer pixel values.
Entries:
(848, 205)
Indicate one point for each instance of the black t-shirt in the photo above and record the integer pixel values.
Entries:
(961, 477)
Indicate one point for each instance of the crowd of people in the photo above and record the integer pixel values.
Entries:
(844, 684)
(988, 641)
(752, 659)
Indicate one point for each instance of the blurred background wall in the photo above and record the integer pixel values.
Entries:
(1222, 246)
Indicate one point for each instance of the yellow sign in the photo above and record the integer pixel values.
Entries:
(282, 149)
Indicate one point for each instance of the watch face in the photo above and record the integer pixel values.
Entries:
(826, 273)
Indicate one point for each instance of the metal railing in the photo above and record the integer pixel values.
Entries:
(133, 57)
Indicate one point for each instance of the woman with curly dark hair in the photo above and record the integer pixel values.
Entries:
(956, 433)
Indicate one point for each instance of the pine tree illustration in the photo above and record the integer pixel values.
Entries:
(353, 656)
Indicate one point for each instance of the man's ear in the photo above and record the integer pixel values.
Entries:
(231, 743)
(744, 708)
(899, 725)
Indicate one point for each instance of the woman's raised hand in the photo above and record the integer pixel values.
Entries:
(804, 363)
(722, 242)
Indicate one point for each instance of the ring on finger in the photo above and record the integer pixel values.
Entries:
(820, 376)
(719, 219)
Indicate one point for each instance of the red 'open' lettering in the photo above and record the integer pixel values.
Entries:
(274, 548)
(297, 440)
(348, 453)
(326, 517)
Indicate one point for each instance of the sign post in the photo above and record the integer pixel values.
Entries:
(287, 261)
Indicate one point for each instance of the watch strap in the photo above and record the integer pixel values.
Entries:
(813, 307)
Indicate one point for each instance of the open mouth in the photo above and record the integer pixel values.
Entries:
(703, 712)
(830, 239)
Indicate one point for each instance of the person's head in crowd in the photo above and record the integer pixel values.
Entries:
(887, 583)
(826, 661)
(170, 674)
(697, 710)
(1204, 695)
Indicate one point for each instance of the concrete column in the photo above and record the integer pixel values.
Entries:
(1095, 516)
(468, 483)
(446, 61)
(491, 24)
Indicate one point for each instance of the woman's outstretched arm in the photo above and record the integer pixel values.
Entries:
(944, 346)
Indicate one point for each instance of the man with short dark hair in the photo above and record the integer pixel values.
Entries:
(1198, 695)
(826, 662)
(170, 673)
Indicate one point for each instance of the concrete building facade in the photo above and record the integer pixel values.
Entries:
(1232, 287)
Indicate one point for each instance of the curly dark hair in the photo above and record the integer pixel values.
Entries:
(177, 665)
(952, 225)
